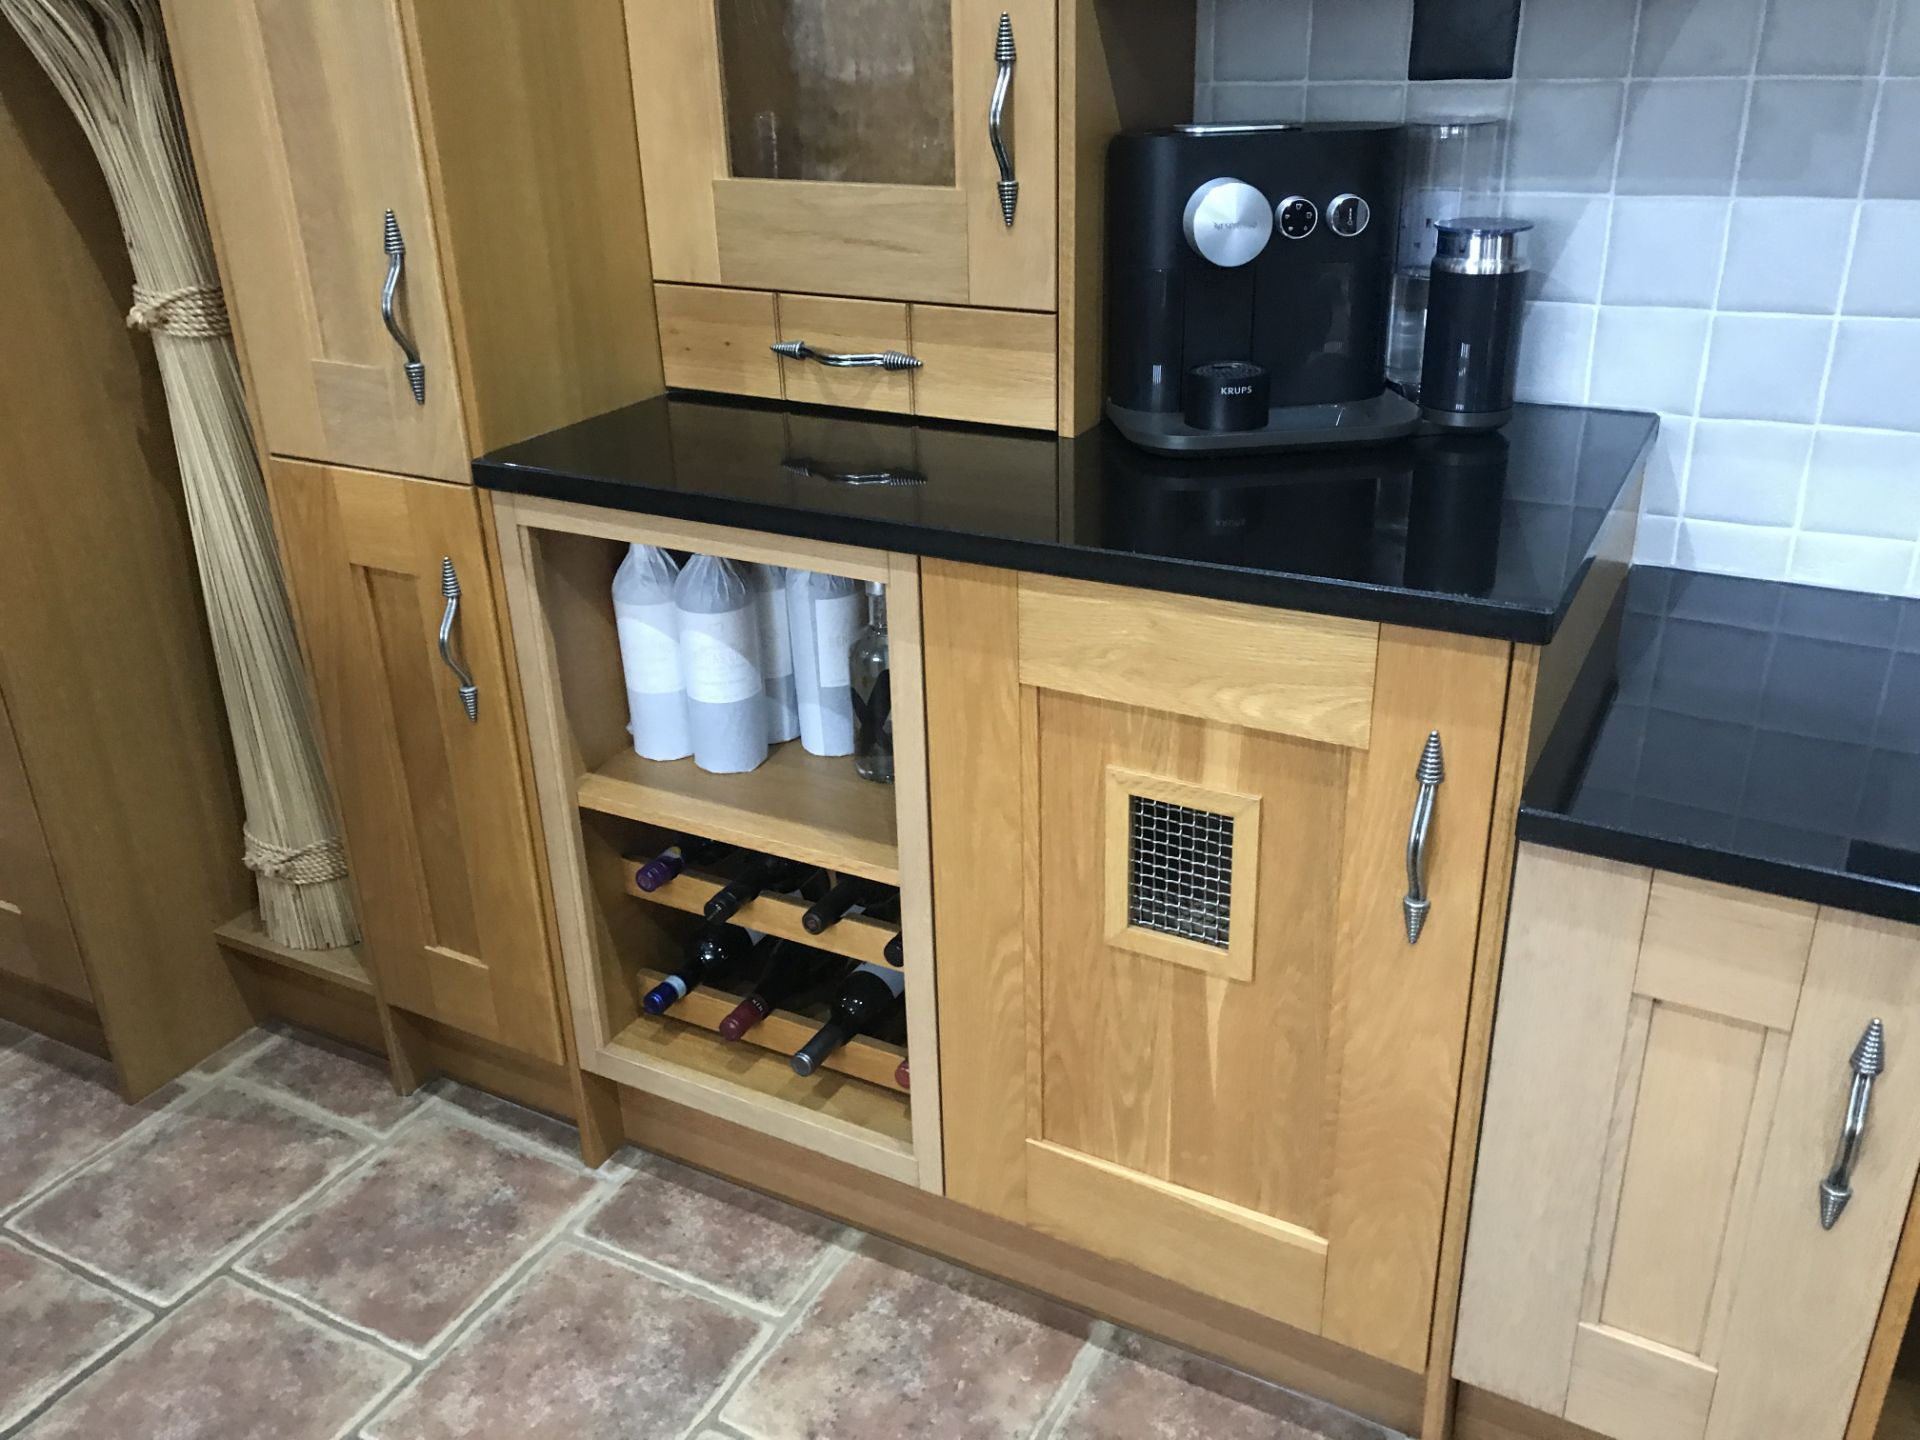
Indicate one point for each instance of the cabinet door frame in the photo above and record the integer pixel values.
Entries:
(945, 244)
(337, 528)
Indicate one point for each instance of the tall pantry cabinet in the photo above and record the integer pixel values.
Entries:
(425, 215)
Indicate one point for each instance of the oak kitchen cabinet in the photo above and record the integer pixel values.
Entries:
(396, 614)
(1671, 1070)
(1191, 1031)
(498, 138)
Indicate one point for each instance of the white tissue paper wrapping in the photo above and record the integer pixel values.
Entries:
(825, 614)
(650, 653)
(769, 584)
(720, 660)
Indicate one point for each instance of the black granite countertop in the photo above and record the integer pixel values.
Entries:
(1758, 734)
(1483, 535)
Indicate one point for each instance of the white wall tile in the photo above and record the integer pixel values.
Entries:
(1766, 367)
(1831, 37)
(1247, 102)
(1459, 99)
(1653, 542)
(1646, 359)
(1851, 562)
(1747, 472)
(1697, 37)
(1806, 137)
(1864, 482)
(1904, 58)
(1567, 246)
(1733, 549)
(1259, 40)
(1359, 100)
(1575, 39)
(1664, 491)
(1885, 279)
(1360, 40)
(1556, 342)
(1876, 364)
(1665, 251)
(1563, 135)
(1787, 255)
(1895, 173)
(1682, 137)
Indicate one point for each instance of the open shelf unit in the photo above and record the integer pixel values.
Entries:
(602, 807)
(244, 935)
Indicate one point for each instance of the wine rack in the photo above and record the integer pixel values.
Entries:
(601, 805)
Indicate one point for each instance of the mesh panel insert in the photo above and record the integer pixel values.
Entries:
(1180, 870)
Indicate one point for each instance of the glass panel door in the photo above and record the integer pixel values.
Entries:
(839, 90)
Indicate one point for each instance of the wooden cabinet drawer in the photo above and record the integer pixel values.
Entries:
(1670, 1068)
(992, 367)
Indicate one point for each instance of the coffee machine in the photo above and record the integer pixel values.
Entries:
(1249, 282)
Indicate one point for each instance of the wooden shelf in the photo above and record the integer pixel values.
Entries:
(782, 1033)
(340, 967)
(834, 1114)
(855, 937)
(805, 807)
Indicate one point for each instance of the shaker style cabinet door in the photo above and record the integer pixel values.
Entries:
(36, 937)
(1673, 1061)
(1182, 1023)
(893, 149)
(303, 133)
(421, 745)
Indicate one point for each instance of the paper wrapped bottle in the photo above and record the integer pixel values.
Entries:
(720, 660)
(769, 584)
(825, 616)
(650, 653)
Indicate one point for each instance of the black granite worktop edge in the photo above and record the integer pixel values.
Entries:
(1706, 663)
(1352, 599)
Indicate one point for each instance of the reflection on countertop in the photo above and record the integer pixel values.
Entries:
(1487, 534)
(1757, 733)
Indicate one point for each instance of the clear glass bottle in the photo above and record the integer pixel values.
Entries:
(868, 669)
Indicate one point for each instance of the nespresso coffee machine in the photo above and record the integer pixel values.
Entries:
(1249, 279)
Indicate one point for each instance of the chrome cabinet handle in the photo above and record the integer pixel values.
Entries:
(396, 249)
(1004, 57)
(450, 587)
(1431, 772)
(1869, 1058)
(868, 360)
(813, 470)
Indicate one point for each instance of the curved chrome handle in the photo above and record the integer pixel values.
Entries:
(812, 470)
(1432, 770)
(450, 587)
(867, 360)
(396, 249)
(1004, 57)
(1869, 1059)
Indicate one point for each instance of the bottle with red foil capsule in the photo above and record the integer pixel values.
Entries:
(866, 1001)
(718, 954)
(791, 975)
(900, 1077)
(687, 850)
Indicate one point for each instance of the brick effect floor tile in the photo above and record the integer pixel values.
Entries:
(58, 1106)
(349, 1083)
(52, 1324)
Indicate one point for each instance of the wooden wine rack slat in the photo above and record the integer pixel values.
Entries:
(855, 937)
(782, 1032)
(802, 806)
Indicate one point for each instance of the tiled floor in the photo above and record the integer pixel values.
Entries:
(279, 1246)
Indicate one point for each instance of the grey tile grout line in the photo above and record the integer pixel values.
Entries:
(61, 1385)
(749, 1364)
(1613, 186)
(677, 1279)
(1074, 1383)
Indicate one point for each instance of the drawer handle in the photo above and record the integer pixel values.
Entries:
(450, 587)
(867, 360)
(812, 470)
(1003, 57)
(1432, 770)
(1869, 1058)
(396, 249)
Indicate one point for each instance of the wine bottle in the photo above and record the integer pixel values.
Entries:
(888, 909)
(895, 952)
(687, 850)
(762, 873)
(831, 908)
(866, 999)
(792, 973)
(717, 954)
(871, 678)
(901, 1078)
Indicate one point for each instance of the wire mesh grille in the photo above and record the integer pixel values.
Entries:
(1180, 871)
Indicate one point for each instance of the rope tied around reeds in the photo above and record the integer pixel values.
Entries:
(313, 864)
(186, 312)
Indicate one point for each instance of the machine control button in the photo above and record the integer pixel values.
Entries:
(1228, 222)
(1348, 215)
(1298, 217)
